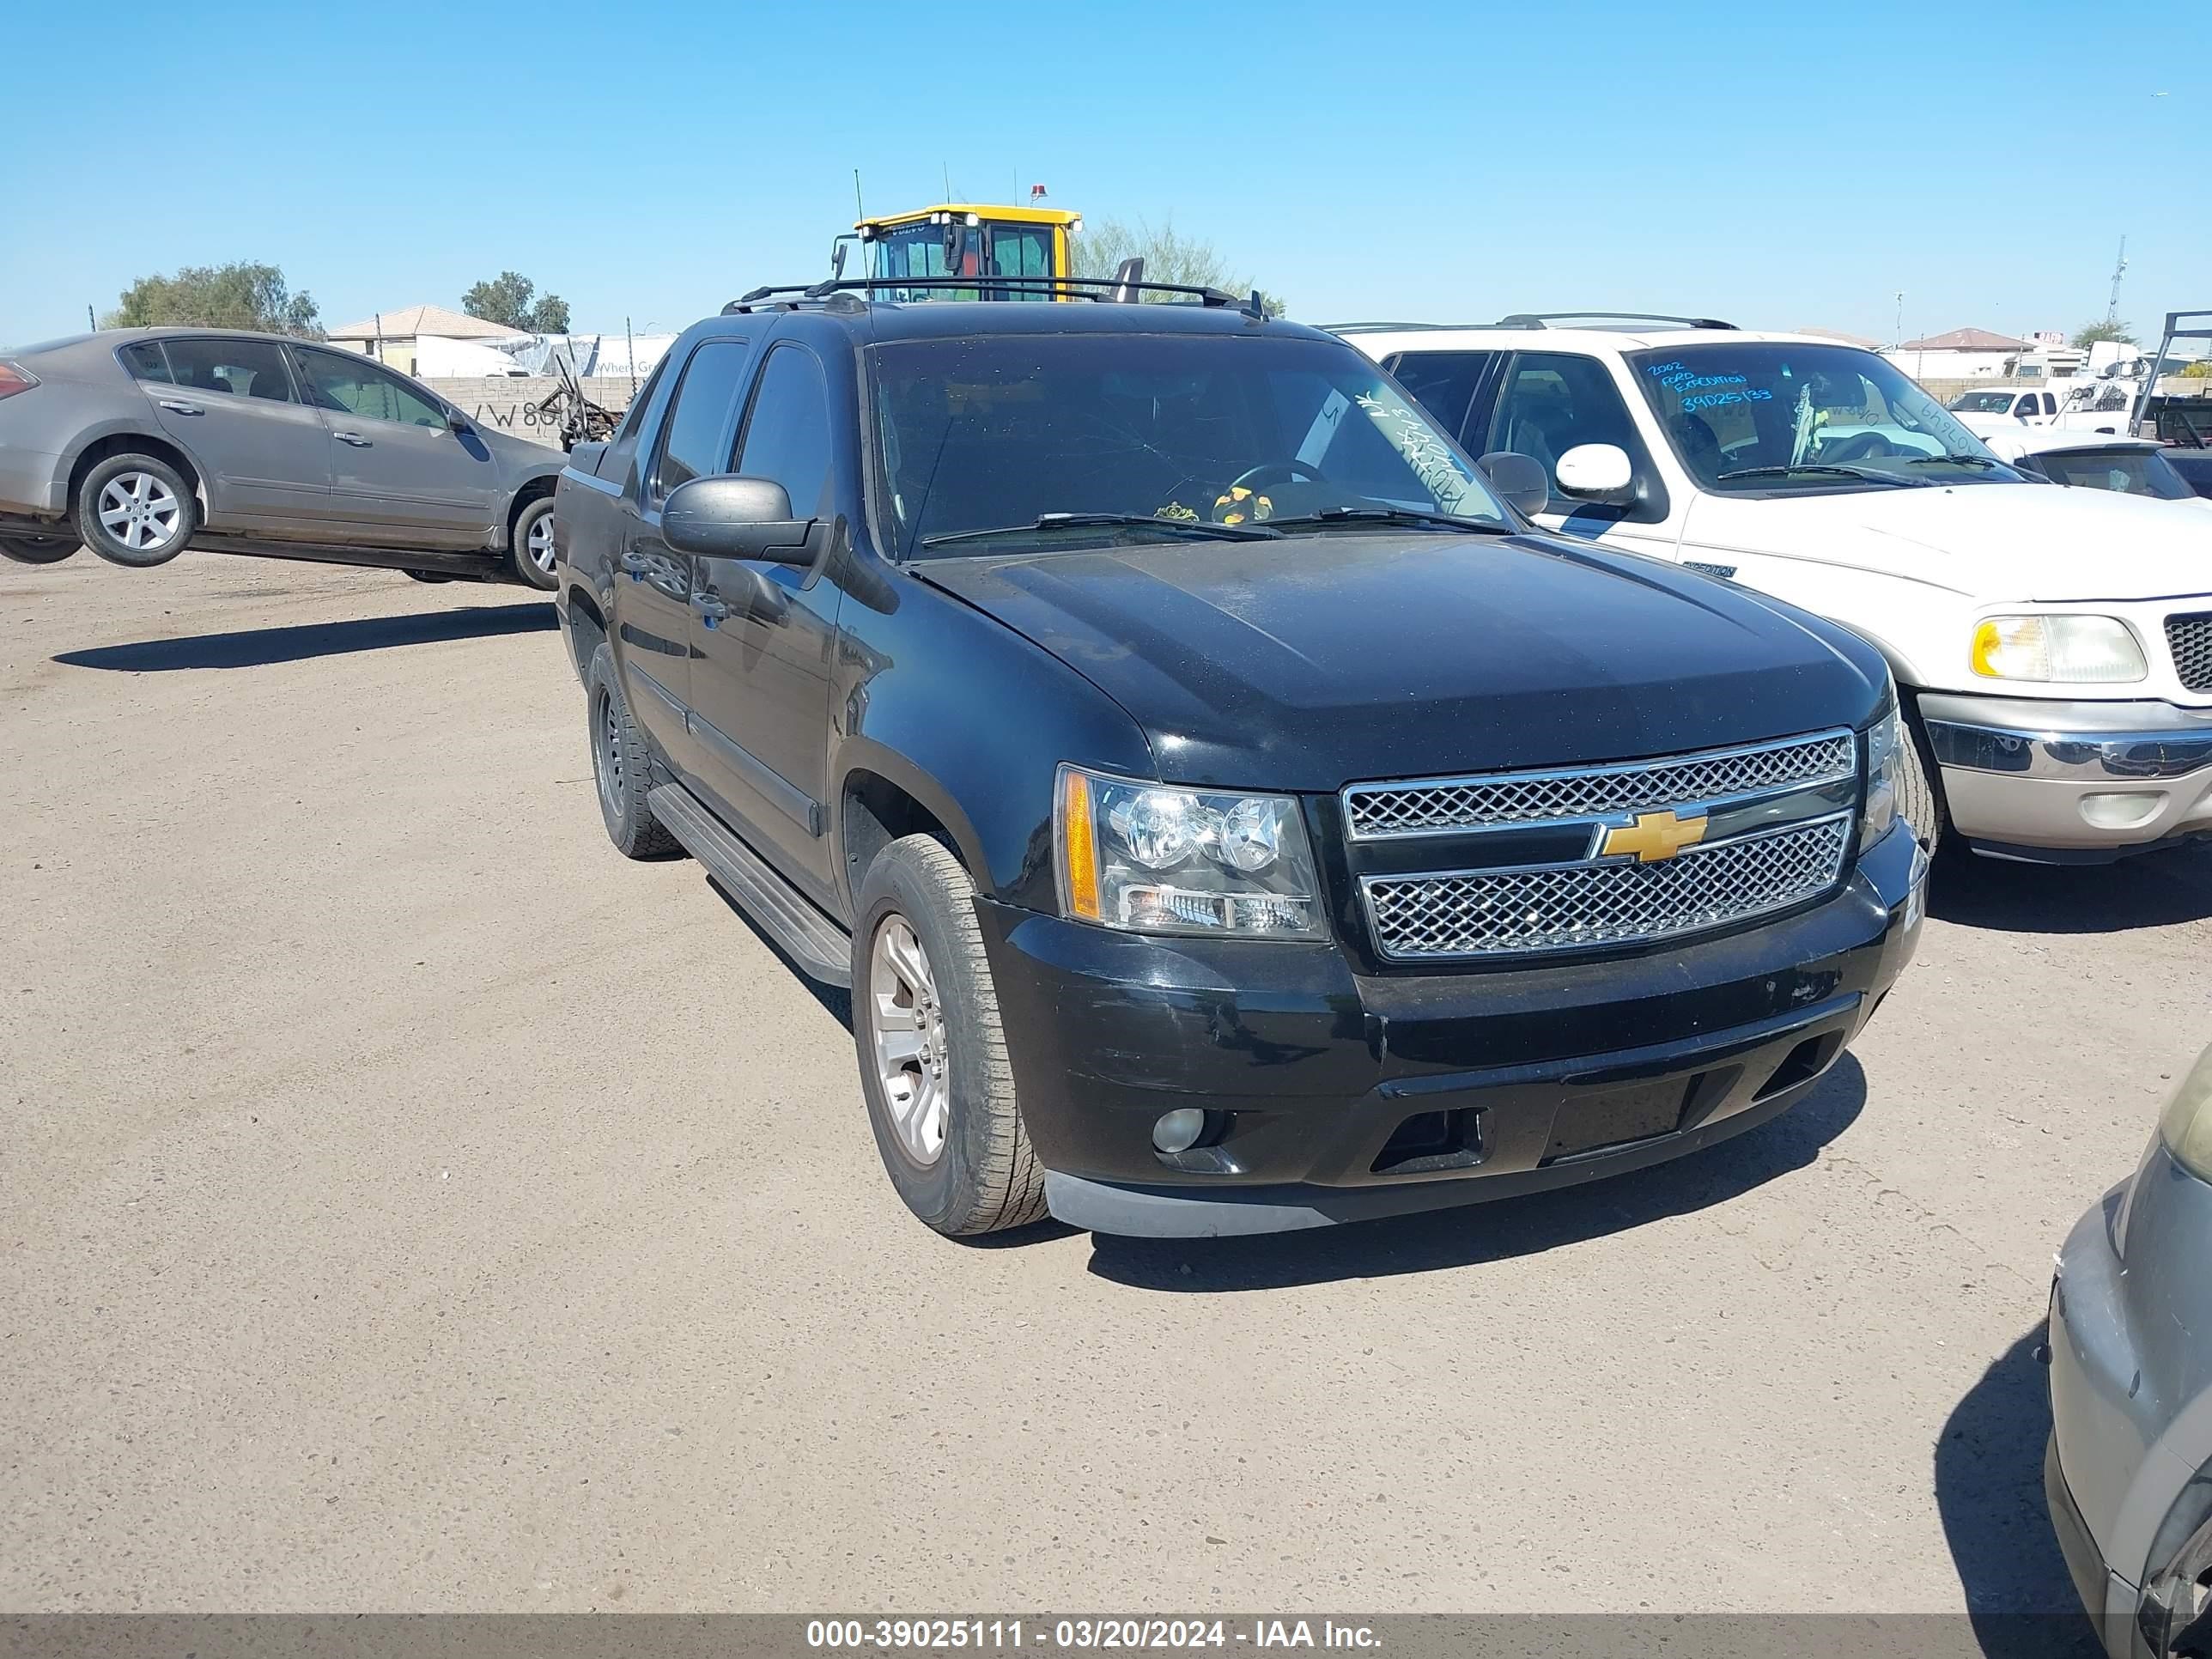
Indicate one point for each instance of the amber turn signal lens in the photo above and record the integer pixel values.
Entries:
(1078, 849)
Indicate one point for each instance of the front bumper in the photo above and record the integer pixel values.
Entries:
(1339, 1096)
(2071, 782)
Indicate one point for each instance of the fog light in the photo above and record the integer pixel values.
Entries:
(2127, 811)
(1179, 1131)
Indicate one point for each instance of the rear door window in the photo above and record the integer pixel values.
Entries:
(145, 362)
(695, 438)
(1443, 382)
(237, 368)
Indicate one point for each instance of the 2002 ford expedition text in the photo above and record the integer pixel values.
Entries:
(1228, 814)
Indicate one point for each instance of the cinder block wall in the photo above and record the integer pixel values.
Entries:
(506, 404)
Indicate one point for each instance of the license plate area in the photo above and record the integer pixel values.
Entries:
(1608, 1118)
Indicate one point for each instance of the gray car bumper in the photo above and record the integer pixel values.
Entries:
(2071, 782)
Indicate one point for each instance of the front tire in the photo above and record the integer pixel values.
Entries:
(38, 549)
(1920, 784)
(933, 1065)
(619, 765)
(529, 549)
(135, 511)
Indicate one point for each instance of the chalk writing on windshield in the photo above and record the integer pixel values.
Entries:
(1698, 390)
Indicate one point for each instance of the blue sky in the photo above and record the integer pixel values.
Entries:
(1779, 166)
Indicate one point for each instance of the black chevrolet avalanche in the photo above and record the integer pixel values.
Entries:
(1227, 814)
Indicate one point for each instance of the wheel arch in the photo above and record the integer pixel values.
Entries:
(134, 440)
(881, 796)
(539, 488)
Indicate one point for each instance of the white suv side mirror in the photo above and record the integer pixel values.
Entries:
(1596, 472)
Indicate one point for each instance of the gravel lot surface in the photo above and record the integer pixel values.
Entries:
(409, 1204)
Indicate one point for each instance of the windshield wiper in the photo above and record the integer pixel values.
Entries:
(1188, 529)
(1428, 519)
(1827, 468)
(1955, 460)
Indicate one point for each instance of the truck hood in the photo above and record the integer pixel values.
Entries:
(1316, 661)
(1994, 542)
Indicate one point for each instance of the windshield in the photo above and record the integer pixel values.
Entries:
(998, 432)
(2130, 472)
(1773, 416)
(1983, 403)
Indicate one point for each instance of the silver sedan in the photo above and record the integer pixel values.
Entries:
(2129, 1472)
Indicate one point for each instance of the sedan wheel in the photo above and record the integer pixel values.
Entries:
(141, 512)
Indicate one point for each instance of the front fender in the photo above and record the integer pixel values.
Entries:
(972, 720)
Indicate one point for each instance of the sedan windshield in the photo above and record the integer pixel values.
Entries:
(1056, 441)
(1808, 419)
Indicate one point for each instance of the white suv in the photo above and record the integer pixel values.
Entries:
(2054, 646)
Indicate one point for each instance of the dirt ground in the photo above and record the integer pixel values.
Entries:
(409, 1204)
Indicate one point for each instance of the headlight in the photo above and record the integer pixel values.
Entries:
(2057, 649)
(2186, 1125)
(2177, 1578)
(1885, 742)
(1157, 859)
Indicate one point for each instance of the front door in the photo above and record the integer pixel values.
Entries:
(231, 405)
(652, 580)
(1549, 401)
(762, 633)
(400, 475)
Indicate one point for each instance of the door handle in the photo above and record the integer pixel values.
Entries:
(176, 408)
(353, 438)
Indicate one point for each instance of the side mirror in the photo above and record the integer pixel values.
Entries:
(736, 518)
(457, 423)
(1519, 479)
(1597, 473)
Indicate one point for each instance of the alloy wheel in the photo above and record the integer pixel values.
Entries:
(140, 511)
(907, 1024)
(538, 547)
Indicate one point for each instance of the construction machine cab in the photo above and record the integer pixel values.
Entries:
(960, 239)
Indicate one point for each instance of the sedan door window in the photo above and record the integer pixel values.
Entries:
(237, 368)
(351, 385)
(145, 362)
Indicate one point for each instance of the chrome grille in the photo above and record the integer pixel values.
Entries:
(1511, 912)
(1376, 811)
(2190, 639)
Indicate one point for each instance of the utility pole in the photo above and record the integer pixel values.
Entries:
(88, 322)
(630, 341)
(1900, 317)
(2112, 310)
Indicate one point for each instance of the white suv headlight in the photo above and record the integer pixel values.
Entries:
(1154, 859)
(2081, 650)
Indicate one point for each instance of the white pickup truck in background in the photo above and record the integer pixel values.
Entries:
(2052, 647)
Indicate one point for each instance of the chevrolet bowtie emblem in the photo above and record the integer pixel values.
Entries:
(1653, 837)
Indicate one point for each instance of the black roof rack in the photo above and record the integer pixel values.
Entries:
(857, 291)
(1549, 318)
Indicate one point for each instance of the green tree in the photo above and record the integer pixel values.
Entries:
(1169, 257)
(2199, 370)
(2090, 333)
(239, 296)
(507, 298)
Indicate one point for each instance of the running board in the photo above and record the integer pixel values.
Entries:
(810, 938)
